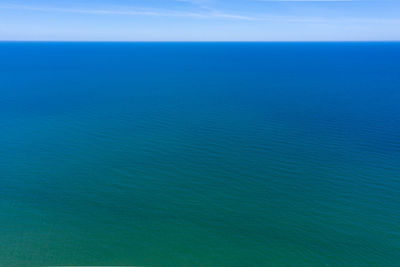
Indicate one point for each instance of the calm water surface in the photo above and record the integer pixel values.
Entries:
(189, 154)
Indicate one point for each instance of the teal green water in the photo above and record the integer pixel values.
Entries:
(200, 154)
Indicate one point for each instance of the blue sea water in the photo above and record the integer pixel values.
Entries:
(200, 154)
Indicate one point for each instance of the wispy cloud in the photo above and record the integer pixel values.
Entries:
(134, 12)
(306, 0)
(209, 14)
(320, 1)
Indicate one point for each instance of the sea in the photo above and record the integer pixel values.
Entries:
(199, 154)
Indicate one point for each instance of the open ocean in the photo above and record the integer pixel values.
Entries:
(200, 154)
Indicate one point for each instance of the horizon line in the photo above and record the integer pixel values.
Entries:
(199, 41)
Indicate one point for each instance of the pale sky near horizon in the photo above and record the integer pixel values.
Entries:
(200, 20)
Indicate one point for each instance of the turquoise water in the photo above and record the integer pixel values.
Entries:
(200, 154)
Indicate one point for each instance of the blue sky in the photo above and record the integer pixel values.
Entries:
(200, 20)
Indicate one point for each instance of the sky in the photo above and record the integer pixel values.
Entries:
(200, 20)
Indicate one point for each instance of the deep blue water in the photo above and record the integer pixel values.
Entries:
(200, 154)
